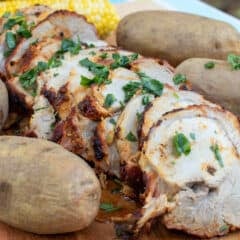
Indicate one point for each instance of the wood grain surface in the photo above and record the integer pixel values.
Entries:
(105, 231)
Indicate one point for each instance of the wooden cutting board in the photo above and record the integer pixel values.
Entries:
(105, 231)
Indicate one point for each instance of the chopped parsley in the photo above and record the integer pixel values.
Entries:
(109, 100)
(109, 207)
(209, 65)
(181, 144)
(6, 15)
(68, 45)
(24, 30)
(92, 53)
(224, 228)
(130, 89)
(145, 100)
(28, 81)
(234, 61)
(103, 55)
(86, 82)
(151, 85)
(55, 74)
(192, 136)
(101, 72)
(54, 62)
(215, 149)
(122, 61)
(91, 45)
(11, 40)
(179, 79)
(112, 121)
(146, 84)
(139, 116)
(131, 137)
(40, 108)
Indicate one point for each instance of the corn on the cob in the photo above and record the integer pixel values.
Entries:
(99, 12)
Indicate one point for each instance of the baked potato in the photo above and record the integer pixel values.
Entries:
(3, 103)
(219, 84)
(45, 189)
(176, 36)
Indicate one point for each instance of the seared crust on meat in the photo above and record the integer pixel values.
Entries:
(105, 148)
(91, 109)
(60, 24)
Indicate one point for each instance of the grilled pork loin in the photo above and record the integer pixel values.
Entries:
(127, 116)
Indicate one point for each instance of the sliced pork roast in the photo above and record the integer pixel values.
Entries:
(169, 101)
(125, 114)
(60, 24)
(191, 164)
(16, 26)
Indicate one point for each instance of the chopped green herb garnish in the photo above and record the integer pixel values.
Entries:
(224, 228)
(192, 136)
(122, 104)
(28, 81)
(52, 126)
(131, 137)
(92, 53)
(42, 66)
(122, 61)
(147, 85)
(112, 121)
(91, 45)
(209, 65)
(151, 85)
(7, 52)
(6, 15)
(14, 20)
(103, 55)
(101, 72)
(234, 61)
(179, 78)
(68, 45)
(181, 144)
(139, 116)
(40, 108)
(55, 74)
(86, 82)
(10, 40)
(215, 149)
(54, 62)
(145, 100)
(24, 30)
(130, 89)
(109, 207)
(109, 100)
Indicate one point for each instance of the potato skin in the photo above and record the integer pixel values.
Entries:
(4, 105)
(220, 84)
(176, 36)
(45, 189)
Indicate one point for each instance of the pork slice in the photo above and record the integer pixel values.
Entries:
(169, 101)
(191, 190)
(62, 24)
(33, 15)
(104, 145)
(43, 119)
